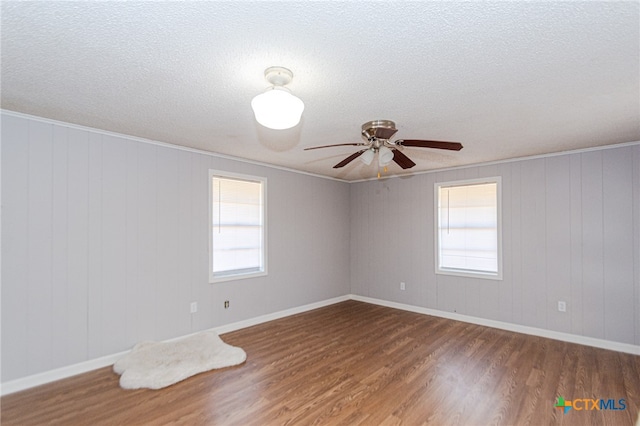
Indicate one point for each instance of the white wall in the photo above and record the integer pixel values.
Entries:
(571, 231)
(104, 244)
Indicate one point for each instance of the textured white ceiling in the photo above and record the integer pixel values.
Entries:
(507, 79)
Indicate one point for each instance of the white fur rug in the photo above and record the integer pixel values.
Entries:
(156, 365)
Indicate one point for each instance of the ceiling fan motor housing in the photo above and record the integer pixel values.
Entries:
(379, 129)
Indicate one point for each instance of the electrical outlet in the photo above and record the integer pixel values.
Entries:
(194, 307)
(403, 286)
(226, 304)
(562, 306)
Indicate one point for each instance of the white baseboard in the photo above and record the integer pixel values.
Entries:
(277, 315)
(556, 335)
(59, 373)
(105, 361)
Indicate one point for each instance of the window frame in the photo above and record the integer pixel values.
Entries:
(263, 185)
(468, 272)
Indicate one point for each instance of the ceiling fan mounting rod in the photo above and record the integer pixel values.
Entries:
(376, 143)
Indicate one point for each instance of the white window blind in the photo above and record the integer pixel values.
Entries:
(468, 228)
(237, 227)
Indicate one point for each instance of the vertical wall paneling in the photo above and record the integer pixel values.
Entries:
(131, 296)
(105, 244)
(198, 202)
(569, 230)
(371, 235)
(636, 239)
(201, 289)
(592, 245)
(410, 213)
(113, 287)
(15, 247)
(317, 216)
(617, 184)
(386, 240)
(210, 294)
(373, 279)
(167, 282)
(94, 290)
(40, 241)
(513, 233)
(146, 225)
(532, 233)
(558, 240)
(504, 290)
(185, 240)
(576, 308)
(77, 332)
(357, 225)
(279, 235)
(386, 271)
(296, 228)
(425, 259)
(59, 249)
(337, 229)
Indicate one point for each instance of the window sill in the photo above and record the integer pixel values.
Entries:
(470, 274)
(221, 279)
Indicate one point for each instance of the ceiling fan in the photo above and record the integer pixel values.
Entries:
(377, 135)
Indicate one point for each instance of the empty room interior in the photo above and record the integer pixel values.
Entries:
(332, 213)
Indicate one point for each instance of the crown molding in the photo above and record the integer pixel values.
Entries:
(163, 144)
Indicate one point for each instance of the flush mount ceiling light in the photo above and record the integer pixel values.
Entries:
(277, 108)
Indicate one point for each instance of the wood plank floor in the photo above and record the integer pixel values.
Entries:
(359, 364)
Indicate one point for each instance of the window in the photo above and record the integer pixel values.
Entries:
(468, 234)
(237, 231)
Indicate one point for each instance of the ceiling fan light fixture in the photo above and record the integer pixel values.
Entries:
(277, 108)
(385, 156)
(367, 156)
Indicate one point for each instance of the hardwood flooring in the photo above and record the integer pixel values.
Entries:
(359, 364)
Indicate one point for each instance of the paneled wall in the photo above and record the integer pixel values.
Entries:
(104, 244)
(571, 232)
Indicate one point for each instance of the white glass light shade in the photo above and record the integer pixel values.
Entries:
(277, 108)
(367, 156)
(385, 155)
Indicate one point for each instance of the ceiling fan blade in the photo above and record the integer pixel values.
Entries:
(384, 132)
(402, 160)
(338, 144)
(349, 159)
(454, 146)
